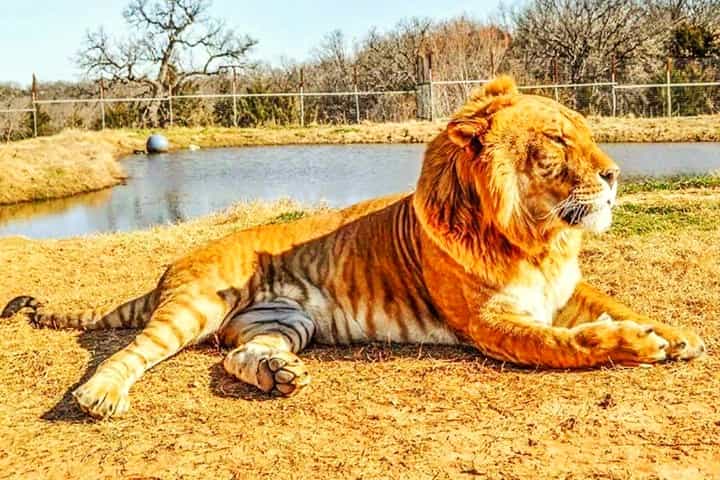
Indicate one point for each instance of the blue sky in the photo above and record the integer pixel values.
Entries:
(41, 36)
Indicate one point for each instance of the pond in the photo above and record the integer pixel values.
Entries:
(178, 186)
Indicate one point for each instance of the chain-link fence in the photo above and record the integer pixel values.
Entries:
(675, 99)
(47, 116)
(24, 116)
(588, 98)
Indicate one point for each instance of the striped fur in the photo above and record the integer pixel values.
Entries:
(19, 303)
(132, 314)
(484, 252)
(281, 317)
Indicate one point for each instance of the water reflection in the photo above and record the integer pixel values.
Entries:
(179, 186)
(23, 211)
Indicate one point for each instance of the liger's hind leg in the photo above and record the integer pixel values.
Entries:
(176, 323)
(267, 337)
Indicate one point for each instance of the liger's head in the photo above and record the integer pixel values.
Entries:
(524, 164)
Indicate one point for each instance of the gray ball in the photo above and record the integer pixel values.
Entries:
(156, 143)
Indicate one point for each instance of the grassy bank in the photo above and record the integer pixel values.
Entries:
(678, 182)
(65, 164)
(371, 411)
(704, 128)
(667, 211)
(606, 130)
(75, 162)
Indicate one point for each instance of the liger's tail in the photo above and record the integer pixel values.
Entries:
(133, 314)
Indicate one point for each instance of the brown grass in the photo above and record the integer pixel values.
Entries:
(372, 411)
(704, 128)
(58, 166)
(75, 162)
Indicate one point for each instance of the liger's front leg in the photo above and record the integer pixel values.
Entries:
(503, 333)
(588, 304)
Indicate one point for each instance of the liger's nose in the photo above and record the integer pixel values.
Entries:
(610, 176)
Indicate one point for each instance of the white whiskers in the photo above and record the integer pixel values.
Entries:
(572, 209)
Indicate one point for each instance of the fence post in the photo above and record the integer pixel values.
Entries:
(234, 92)
(430, 86)
(34, 104)
(357, 97)
(668, 70)
(102, 103)
(555, 80)
(419, 93)
(302, 99)
(170, 106)
(614, 93)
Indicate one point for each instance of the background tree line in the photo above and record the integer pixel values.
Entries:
(178, 47)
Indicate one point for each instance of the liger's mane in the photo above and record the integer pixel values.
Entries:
(467, 197)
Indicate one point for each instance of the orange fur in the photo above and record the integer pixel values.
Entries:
(485, 251)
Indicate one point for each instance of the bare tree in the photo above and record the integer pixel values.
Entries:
(584, 36)
(696, 32)
(390, 60)
(333, 63)
(464, 49)
(174, 41)
(467, 49)
(700, 12)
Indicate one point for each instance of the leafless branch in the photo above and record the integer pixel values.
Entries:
(173, 42)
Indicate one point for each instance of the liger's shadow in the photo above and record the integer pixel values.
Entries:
(102, 344)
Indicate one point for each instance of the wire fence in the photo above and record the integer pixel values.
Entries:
(430, 100)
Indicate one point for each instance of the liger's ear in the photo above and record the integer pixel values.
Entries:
(467, 132)
(472, 120)
(502, 85)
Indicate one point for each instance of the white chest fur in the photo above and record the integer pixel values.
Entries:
(541, 292)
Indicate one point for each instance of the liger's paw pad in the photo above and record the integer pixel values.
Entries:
(282, 374)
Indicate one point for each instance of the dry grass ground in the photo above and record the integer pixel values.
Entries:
(372, 411)
(704, 128)
(65, 164)
(76, 162)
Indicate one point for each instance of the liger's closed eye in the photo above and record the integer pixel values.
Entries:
(556, 138)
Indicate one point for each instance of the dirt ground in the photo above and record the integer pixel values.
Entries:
(374, 411)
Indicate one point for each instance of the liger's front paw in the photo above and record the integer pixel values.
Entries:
(622, 342)
(684, 343)
(101, 398)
